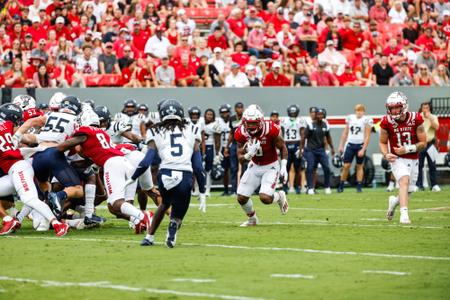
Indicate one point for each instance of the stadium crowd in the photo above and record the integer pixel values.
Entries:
(148, 43)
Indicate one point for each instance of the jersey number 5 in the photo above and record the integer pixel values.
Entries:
(177, 149)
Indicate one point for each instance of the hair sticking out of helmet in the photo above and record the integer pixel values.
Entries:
(396, 105)
(253, 119)
(24, 102)
(55, 101)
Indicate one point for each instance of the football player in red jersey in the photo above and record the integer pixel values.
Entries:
(258, 141)
(402, 137)
(95, 145)
(19, 172)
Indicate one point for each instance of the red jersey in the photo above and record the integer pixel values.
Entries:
(268, 152)
(31, 113)
(97, 146)
(8, 154)
(402, 133)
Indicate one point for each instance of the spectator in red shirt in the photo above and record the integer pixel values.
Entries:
(322, 77)
(31, 69)
(140, 37)
(130, 75)
(185, 74)
(426, 39)
(14, 77)
(348, 78)
(194, 60)
(61, 29)
(17, 32)
(275, 78)
(378, 12)
(217, 39)
(147, 73)
(183, 48)
(238, 56)
(392, 49)
(256, 42)
(37, 30)
(307, 37)
(278, 20)
(297, 55)
(238, 30)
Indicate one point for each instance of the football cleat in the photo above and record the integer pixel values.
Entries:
(436, 188)
(92, 222)
(61, 228)
(359, 188)
(9, 225)
(327, 191)
(54, 204)
(171, 234)
(392, 204)
(146, 242)
(311, 192)
(283, 203)
(252, 221)
(145, 223)
(405, 220)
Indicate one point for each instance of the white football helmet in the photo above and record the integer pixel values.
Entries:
(253, 119)
(55, 101)
(89, 118)
(24, 102)
(395, 100)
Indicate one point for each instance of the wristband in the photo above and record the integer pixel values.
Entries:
(283, 163)
(411, 148)
(18, 135)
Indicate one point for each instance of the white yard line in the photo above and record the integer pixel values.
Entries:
(193, 280)
(373, 219)
(276, 249)
(325, 223)
(397, 273)
(292, 276)
(107, 285)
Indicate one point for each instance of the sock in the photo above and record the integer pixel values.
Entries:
(276, 197)
(135, 214)
(150, 237)
(89, 197)
(208, 182)
(62, 195)
(41, 208)
(248, 208)
(358, 184)
(341, 184)
(225, 189)
(26, 210)
(404, 212)
(391, 184)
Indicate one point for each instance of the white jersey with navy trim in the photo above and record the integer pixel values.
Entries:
(175, 148)
(224, 132)
(357, 126)
(58, 127)
(210, 129)
(134, 121)
(198, 125)
(291, 128)
(116, 129)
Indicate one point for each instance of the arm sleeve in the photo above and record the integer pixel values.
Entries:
(199, 172)
(144, 164)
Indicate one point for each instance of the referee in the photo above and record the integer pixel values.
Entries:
(313, 145)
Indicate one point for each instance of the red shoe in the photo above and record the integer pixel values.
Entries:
(61, 228)
(10, 224)
(145, 222)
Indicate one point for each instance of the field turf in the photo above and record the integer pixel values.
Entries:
(335, 246)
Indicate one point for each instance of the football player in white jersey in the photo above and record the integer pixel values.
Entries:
(224, 124)
(355, 140)
(195, 118)
(291, 127)
(119, 130)
(48, 162)
(55, 101)
(178, 146)
(130, 116)
(211, 146)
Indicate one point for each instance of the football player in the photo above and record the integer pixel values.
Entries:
(402, 137)
(224, 124)
(95, 144)
(355, 140)
(177, 143)
(291, 128)
(258, 141)
(19, 172)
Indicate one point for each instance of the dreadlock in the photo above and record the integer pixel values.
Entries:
(170, 125)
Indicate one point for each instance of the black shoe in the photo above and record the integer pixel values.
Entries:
(225, 194)
(92, 222)
(340, 189)
(297, 190)
(98, 219)
(54, 204)
(171, 234)
(146, 242)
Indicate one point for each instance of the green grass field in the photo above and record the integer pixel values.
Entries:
(337, 246)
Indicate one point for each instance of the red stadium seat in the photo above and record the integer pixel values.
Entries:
(206, 15)
(102, 80)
